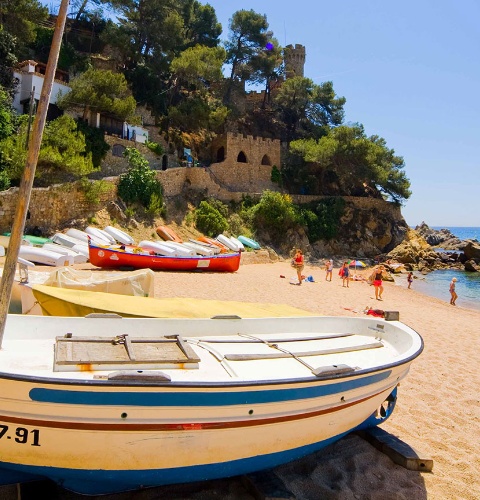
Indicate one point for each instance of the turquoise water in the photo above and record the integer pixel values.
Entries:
(436, 283)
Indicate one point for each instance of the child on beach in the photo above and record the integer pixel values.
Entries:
(329, 270)
(345, 274)
(410, 279)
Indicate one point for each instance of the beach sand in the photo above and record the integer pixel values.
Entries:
(438, 408)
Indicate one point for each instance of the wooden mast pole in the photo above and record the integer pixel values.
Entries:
(26, 183)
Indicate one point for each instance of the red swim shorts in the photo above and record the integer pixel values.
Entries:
(377, 283)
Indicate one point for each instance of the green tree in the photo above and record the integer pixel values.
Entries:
(357, 164)
(248, 37)
(193, 106)
(7, 61)
(7, 118)
(101, 91)
(201, 26)
(63, 151)
(199, 66)
(309, 108)
(20, 18)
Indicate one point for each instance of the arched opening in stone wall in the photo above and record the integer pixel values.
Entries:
(117, 150)
(164, 162)
(220, 154)
(266, 160)
(242, 158)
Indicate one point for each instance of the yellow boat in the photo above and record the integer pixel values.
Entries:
(66, 302)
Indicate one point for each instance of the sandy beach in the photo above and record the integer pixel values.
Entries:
(438, 408)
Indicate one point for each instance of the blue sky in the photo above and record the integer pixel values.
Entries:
(410, 72)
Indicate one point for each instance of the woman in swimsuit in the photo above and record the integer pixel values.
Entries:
(453, 293)
(378, 282)
(299, 264)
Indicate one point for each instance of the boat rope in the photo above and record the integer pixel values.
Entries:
(278, 348)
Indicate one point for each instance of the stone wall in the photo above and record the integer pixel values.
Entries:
(53, 207)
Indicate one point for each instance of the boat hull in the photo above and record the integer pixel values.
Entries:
(109, 258)
(118, 450)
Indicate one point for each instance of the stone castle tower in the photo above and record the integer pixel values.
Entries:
(294, 60)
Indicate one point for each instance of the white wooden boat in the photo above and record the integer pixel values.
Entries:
(100, 234)
(39, 255)
(237, 242)
(199, 249)
(103, 405)
(78, 258)
(216, 249)
(228, 242)
(84, 237)
(119, 235)
(181, 250)
(158, 247)
(66, 240)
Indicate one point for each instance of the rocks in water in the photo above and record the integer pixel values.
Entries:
(417, 251)
(471, 251)
(439, 237)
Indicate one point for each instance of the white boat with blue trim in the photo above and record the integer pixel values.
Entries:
(104, 404)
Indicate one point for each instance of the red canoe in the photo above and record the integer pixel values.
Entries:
(112, 258)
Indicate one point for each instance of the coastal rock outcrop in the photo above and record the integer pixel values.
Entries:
(414, 250)
(471, 250)
(439, 237)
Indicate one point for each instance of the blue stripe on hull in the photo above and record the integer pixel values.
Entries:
(99, 482)
(203, 397)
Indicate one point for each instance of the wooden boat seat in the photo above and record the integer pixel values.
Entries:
(300, 354)
(122, 352)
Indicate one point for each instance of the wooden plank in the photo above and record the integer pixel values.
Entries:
(397, 450)
(302, 354)
(250, 339)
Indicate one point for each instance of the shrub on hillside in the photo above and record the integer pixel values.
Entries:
(275, 214)
(139, 183)
(322, 218)
(209, 220)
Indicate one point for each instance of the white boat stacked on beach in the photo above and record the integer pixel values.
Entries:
(119, 236)
(228, 242)
(102, 405)
(158, 247)
(199, 249)
(180, 249)
(78, 258)
(84, 237)
(67, 240)
(100, 235)
(40, 255)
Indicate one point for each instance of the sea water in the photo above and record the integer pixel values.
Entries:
(436, 284)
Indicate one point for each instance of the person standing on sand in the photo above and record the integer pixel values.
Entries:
(377, 279)
(299, 264)
(453, 293)
(410, 279)
(345, 274)
(329, 270)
